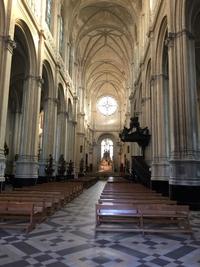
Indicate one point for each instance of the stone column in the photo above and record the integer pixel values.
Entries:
(160, 165)
(184, 158)
(27, 163)
(49, 132)
(75, 150)
(66, 137)
(7, 46)
(62, 118)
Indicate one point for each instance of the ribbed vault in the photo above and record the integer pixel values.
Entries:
(103, 32)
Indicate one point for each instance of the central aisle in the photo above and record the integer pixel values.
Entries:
(68, 239)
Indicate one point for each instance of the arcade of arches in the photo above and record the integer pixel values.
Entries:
(73, 73)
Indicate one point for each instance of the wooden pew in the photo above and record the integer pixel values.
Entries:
(143, 196)
(152, 217)
(117, 213)
(55, 201)
(10, 212)
(137, 201)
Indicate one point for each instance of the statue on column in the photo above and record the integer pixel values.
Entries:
(81, 167)
(61, 165)
(70, 168)
(49, 167)
(6, 149)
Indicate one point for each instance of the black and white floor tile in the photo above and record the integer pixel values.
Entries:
(68, 239)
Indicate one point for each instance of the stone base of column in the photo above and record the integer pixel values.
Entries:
(160, 171)
(42, 166)
(185, 182)
(187, 195)
(42, 177)
(160, 187)
(20, 182)
(26, 171)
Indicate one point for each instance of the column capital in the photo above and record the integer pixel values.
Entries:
(174, 35)
(52, 99)
(9, 43)
(75, 97)
(157, 77)
(38, 79)
(65, 113)
(131, 97)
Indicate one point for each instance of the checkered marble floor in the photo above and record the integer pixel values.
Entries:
(68, 239)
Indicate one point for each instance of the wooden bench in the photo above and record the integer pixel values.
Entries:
(55, 202)
(117, 213)
(151, 217)
(137, 201)
(147, 197)
(10, 212)
(44, 206)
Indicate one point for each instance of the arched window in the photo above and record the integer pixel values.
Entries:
(61, 33)
(48, 12)
(107, 149)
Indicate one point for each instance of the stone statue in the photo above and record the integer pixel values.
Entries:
(70, 168)
(49, 166)
(6, 149)
(81, 167)
(61, 165)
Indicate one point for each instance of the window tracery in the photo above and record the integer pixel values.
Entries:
(107, 105)
(48, 12)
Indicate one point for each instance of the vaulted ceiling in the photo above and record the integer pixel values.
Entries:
(104, 33)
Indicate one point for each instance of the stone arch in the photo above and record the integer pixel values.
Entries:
(24, 31)
(160, 145)
(99, 152)
(23, 68)
(162, 67)
(192, 20)
(147, 102)
(46, 102)
(49, 77)
(148, 78)
(2, 24)
(70, 109)
(61, 99)
(160, 44)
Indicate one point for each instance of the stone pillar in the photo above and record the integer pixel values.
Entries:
(49, 133)
(160, 165)
(75, 151)
(66, 137)
(7, 46)
(62, 118)
(184, 159)
(27, 163)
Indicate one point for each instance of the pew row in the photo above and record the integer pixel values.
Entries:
(143, 218)
(19, 215)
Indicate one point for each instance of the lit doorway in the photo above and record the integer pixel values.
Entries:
(106, 155)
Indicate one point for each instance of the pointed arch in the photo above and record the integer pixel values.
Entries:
(47, 71)
(27, 43)
(160, 44)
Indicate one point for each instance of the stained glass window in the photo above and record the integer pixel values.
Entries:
(61, 37)
(107, 105)
(48, 12)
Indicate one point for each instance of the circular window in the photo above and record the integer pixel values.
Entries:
(107, 105)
